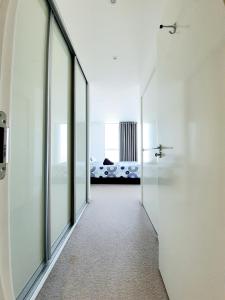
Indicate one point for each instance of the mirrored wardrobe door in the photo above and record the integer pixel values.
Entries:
(60, 103)
(26, 161)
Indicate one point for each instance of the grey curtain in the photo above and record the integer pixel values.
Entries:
(128, 141)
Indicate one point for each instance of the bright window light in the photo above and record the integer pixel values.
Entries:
(112, 141)
(112, 155)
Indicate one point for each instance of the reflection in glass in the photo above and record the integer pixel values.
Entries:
(60, 125)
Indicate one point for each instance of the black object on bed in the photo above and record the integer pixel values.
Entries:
(107, 162)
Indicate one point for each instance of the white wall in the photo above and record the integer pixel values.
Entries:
(151, 19)
(97, 135)
(150, 141)
(111, 105)
(117, 107)
(190, 101)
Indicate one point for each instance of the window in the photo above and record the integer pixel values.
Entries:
(112, 141)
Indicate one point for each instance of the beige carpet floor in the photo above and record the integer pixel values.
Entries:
(112, 254)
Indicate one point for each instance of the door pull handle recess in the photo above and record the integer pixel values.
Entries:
(3, 144)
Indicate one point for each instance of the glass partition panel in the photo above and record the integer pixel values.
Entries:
(81, 139)
(61, 80)
(27, 142)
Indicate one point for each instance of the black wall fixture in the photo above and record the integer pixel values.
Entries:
(174, 27)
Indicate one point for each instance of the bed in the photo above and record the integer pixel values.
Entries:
(119, 173)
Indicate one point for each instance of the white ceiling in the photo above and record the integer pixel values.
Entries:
(99, 31)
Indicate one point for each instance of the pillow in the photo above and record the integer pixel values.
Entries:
(107, 162)
(94, 163)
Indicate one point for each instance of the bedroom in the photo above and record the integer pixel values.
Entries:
(115, 137)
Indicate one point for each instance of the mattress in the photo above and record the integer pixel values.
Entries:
(118, 170)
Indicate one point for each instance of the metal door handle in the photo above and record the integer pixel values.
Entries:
(160, 148)
(166, 147)
(160, 151)
(157, 148)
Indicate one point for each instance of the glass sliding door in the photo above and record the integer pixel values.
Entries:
(42, 187)
(81, 138)
(26, 160)
(60, 102)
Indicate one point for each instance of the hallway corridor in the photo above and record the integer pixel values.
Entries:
(112, 254)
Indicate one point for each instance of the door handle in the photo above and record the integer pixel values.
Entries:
(3, 144)
(164, 147)
(160, 148)
(159, 154)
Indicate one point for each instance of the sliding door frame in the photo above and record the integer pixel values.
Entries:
(54, 15)
(88, 175)
(47, 161)
(49, 255)
(51, 249)
(87, 171)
